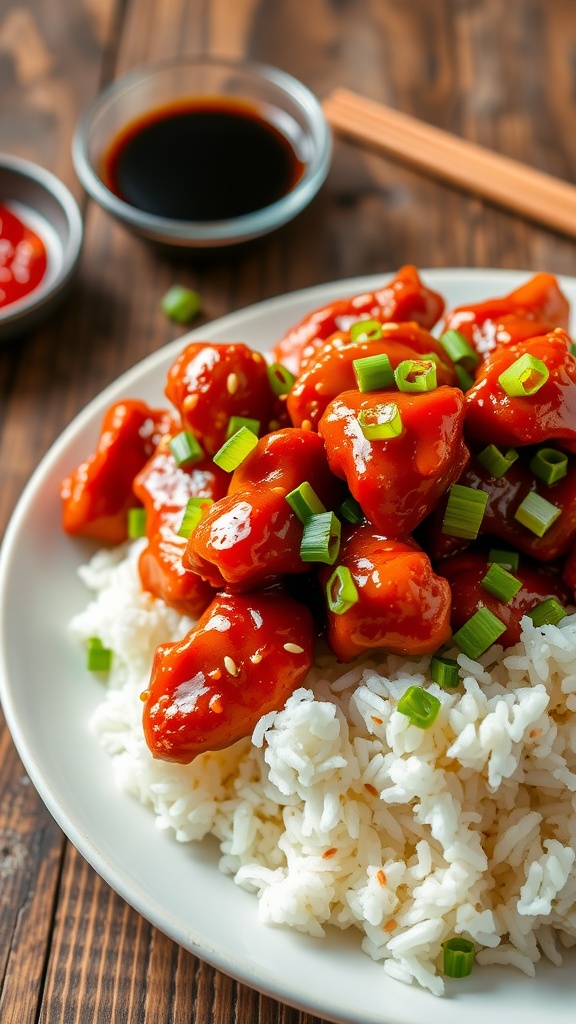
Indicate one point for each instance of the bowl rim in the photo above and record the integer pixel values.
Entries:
(249, 225)
(29, 305)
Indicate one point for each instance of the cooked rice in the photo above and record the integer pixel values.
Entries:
(340, 812)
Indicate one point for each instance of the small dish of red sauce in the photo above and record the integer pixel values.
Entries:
(203, 152)
(40, 242)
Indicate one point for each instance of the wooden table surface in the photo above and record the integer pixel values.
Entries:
(502, 74)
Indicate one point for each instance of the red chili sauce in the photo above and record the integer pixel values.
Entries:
(201, 159)
(23, 258)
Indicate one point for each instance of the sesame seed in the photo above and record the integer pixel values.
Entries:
(306, 424)
(293, 649)
(144, 695)
(231, 666)
(381, 877)
(215, 704)
(329, 853)
(190, 403)
(256, 658)
(232, 383)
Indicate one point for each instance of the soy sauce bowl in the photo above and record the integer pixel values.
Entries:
(273, 95)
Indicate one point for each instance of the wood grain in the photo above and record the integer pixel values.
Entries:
(500, 75)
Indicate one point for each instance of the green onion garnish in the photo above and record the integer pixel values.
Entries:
(525, 377)
(547, 613)
(136, 523)
(419, 706)
(235, 449)
(98, 657)
(416, 375)
(464, 511)
(458, 957)
(459, 350)
(181, 304)
(537, 514)
(195, 509)
(501, 583)
(281, 380)
(496, 462)
(373, 373)
(550, 465)
(444, 672)
(465, 379)
(366, 330)
(508, 558)
(236, 422)
(351, 511)
(321, 538)
(381, 422)
(304, 501)
(573, 348)
(341, 591)
(185, 449)
(479, 633)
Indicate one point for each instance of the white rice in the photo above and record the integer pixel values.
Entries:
(340, 812)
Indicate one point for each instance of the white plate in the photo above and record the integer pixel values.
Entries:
(48, 700)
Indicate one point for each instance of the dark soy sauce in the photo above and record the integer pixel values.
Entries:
(201, 160)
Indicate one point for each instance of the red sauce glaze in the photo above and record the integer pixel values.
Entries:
(402, 607)
(399, 480)
(465, 573)
(210, 383)
(164, 488)
(405, 297)
(497, 418)
(23, 258)
(211, 688)
(286, 458)
(97, 495)
(331, 372)
(248, 539)
(540, 300)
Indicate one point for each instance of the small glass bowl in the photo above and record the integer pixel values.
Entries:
(278, 97)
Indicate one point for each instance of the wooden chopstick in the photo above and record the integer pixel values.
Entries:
(470, 167)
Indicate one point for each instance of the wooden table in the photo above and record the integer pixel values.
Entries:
(500, 74)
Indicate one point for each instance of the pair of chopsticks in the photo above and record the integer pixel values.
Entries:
(508, 183)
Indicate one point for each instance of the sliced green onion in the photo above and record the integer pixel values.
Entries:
(236, 422)
(381, 422)
(321, 538)
(98, 657)
(547, 613)
(351, 511)
(501, 583)
(136, 523)
(459, 350)
(496, 462)
(537, 514)
(185, 449)
(510, 559)
(419, 706)
(573, 348)
(525, 377)
(181, 304)
(304, 501)
(235, 449)
(341, 591)
(464, 511)
(458, 957)
(479, 633)
(195, 509)
(281, 380)
(373, 372)
(550, 465)
(366, 330)
(465, 379)
(416, 375)
(444, 672)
